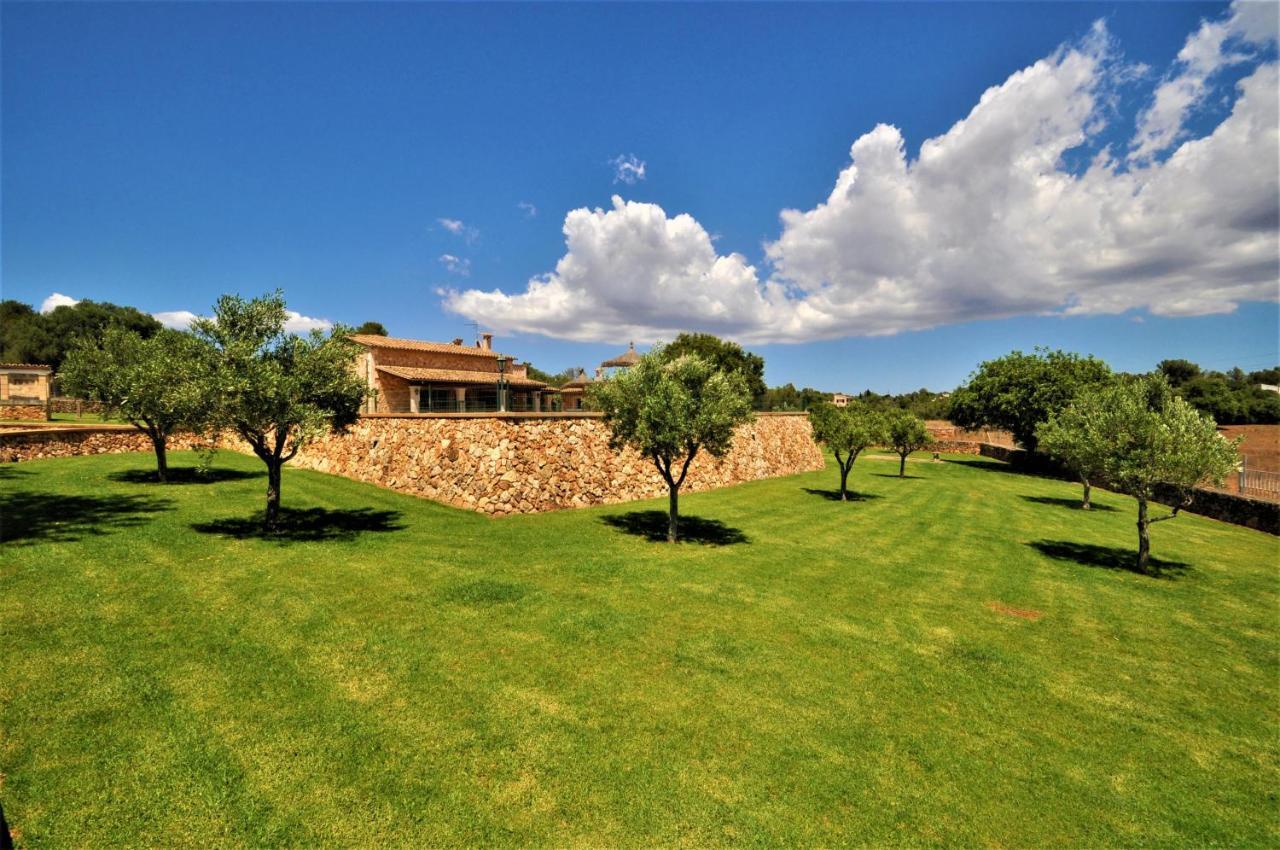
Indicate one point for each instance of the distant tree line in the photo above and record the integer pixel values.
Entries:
(27, 336)
(1231, 398)
(924, 403)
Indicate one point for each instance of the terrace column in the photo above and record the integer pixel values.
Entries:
(460, 398)
(537, 401)
(413, 398)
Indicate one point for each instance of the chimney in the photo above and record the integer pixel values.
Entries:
(457, 341)
(486, 342)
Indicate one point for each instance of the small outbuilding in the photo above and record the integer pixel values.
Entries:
(24, 390)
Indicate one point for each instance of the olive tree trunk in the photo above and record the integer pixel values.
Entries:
(664, 465)
(902, 464)
(1085, 502)
(673, 513)
(1144, 536)
(160, 442)
(271, 518)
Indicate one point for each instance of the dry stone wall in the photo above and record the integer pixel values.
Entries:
(524, 464)
(19, 445)
(495, 464)
(36, 411)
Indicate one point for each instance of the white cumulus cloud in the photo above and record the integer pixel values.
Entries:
(176, 319)
(627, 168)
(55, 300)
(294, 323)
(1215, 45)
(629, 271)
(987, 221)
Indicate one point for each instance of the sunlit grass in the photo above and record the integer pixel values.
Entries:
(955, 658)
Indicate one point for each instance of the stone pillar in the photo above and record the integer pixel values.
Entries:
(414, 393)
(460, 398)
(537, 401)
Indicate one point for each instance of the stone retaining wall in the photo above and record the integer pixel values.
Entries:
(955, 447)
(495, 464)
(948, 432)
(503, 464)
(19, 445)
(35, 411)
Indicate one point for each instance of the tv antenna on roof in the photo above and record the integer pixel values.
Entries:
(475, 330)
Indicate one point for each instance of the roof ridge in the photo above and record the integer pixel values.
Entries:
(406, 344)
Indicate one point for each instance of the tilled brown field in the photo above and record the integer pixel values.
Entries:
(1260, 450)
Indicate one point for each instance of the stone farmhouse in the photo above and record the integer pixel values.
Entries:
(25, 390)
(415, 376)
(574, 392)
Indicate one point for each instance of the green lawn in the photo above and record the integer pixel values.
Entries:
(806, 672)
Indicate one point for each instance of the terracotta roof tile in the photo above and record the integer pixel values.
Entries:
(626, 358)
(26, 366)
(578, 383)
(457, 376)
(376, 341)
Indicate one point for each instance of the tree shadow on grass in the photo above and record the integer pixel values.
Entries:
(27, 517)
(992, 466)
(184, 475)
(834, 495)
(1105, 557)
(10, 472)
(1057, 501)
(652, 525)
(306, 525)
(896, 475)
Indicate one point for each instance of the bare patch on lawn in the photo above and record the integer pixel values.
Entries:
(1021, 613)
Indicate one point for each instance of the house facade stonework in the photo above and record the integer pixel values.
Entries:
(417, 376)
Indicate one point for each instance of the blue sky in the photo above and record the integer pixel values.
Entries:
(159, 155)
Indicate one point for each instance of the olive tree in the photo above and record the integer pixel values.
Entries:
(905, 433)
(725, 355)
(846, 431)
(1018, 391)
(1148, 438)
(279, 391)
(160, 384)
(1067, 436)
(669, 410)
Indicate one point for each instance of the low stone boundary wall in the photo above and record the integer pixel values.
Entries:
(502, 464)
(34, 410)
(1227, 507)
(61, 404)
(955, 447)
(34, 444)
(944, 431)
